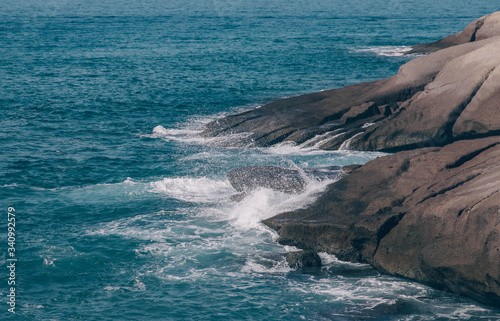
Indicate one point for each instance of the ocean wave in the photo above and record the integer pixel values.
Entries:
(147, 227)
(197, 190)
(262, 203)
(194, 136)
(263, 265)
(309, 147)
(190, 132)
(136, 286)
(331, 260)
(386, 51)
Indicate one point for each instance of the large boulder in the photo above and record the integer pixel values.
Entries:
(303, 259)
(465, 84)
(284, 180)
(483, 28)
(431, 215)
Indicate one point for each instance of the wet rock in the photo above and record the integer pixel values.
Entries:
(303, 259)
(431, 215)
(277, 178)
(301, 118)
(280, 179)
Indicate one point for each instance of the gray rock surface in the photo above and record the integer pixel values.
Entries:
(280, 179)
(303, 259)
(429, 117)
(483, 28)
(431, 215)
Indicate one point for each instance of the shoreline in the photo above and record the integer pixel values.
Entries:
(431, 211)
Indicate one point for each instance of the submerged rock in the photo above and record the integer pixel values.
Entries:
(280, 179)
(303, 259)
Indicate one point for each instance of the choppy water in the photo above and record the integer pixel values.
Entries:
(124, 213)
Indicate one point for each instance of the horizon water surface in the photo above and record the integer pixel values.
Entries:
(123, 212)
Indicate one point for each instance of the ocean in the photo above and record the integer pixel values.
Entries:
(122, 211)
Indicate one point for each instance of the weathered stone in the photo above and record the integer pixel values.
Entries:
(303, 259)
(430, 115)
(280, 179)
(309, 115)
(482, 115)
(431, 215)
(483, 28)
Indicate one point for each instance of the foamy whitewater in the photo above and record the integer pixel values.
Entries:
(124, 211)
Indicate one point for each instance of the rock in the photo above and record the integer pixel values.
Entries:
(280, 179)
(434, 100)
(303, 259)
(483, 28)
(481, 115)
(431, 215)
(430, 117)
(277, 178)
(300, 118)
(327, 173)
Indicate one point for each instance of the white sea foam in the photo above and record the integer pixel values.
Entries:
(387, 51)
(189, 276)
(347, 144)
(310, 147)
(198, 190)
(35, 306)
(264, 203)
(48, 261)
(104, 193)
(320, 140)
(194, 136)
(137, 286)
(367, 291)
(266, 266)
(289, 248)
(158, 229)
(132, 232)
(186, 135)
(53, 254)
(190, 132)
(466, 312)
(329, 260)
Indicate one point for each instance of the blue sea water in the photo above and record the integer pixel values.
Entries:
(124, 213)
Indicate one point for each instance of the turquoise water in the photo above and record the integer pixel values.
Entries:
(124, 213)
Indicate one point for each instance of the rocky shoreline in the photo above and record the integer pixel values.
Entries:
(431, 211)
